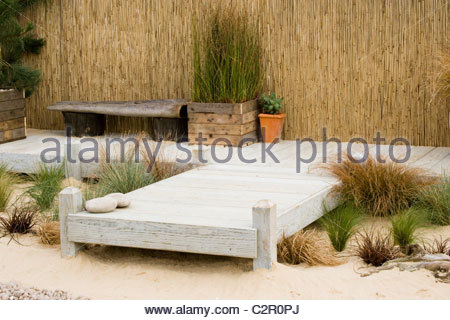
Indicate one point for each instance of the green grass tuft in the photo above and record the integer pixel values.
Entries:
(121, 176)
(434, 201)
(46, 185)
(404, 227)
(227, 59)
(340, 224)
(7, 181)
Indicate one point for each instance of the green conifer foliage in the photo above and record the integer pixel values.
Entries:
(16, 41)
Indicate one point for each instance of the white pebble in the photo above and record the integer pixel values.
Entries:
(122, 200)
(101, 205)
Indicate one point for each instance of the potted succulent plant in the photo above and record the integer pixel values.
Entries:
(271, 120)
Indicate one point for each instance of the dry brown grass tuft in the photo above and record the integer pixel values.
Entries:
(163, 170)
(49, 232)
(306, 246)
(381, 189)
(161, 166)
(375, 247)
(437, 246)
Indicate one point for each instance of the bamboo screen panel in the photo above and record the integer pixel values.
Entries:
(354, 67)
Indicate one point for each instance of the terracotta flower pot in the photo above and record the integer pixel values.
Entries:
(271, 126)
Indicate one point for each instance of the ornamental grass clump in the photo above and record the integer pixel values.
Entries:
(7, 181)
(375, 247)
(437, 246)
(49, 232)
(305, 246)
(380, 189)
(227, 58)
(404, 227)
(434, 201)
(18, 220)
(340, 224)
(46, 185)
(122, 175)
(160, 165)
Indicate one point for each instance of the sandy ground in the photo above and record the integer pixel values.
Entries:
(122, 273)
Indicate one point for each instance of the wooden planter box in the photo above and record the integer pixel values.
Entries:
(233, 122)
(12, 115)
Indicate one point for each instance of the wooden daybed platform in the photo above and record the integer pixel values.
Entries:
(211, 210)
(233, 209)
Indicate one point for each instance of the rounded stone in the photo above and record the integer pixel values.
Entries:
(122, 200)
(101, 205)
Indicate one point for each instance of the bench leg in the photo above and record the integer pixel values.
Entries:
(70, 201)
(170, 128)
(264, 221)
(79, 124)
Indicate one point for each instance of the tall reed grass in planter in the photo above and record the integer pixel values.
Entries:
(227, 78)
(227, 59)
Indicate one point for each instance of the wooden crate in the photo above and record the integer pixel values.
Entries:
(12, 115)
(223, 123)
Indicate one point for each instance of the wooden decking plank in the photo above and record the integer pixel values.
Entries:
(442, 167)
(257, 195)
(230, 198)
(279, 151)
(399, 152)
(432, 158)
(198, 187)
(181, 213)
(222, 184)
(163, 236)
(225, 201)
(253, 178)
(272, 174)
(251, 152)
(304, 212)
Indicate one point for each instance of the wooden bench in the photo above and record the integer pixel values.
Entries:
(169, 117)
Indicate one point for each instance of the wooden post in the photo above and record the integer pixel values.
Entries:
(73, 168)
(265, 222)
(70, 201)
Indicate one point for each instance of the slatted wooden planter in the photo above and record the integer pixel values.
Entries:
(12, 115)
(223, 123)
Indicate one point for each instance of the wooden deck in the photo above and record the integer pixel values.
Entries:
(213, 209)
(209, 209)
(24, 155)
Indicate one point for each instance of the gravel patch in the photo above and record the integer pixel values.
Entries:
(15, 291)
